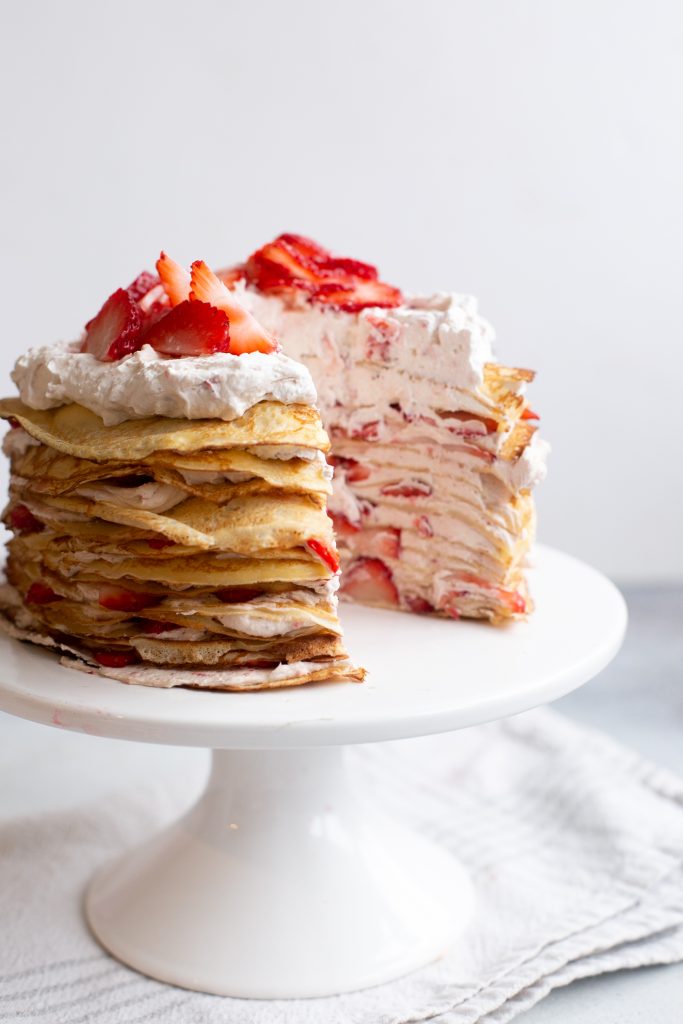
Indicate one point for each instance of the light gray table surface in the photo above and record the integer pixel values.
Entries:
(638, 700)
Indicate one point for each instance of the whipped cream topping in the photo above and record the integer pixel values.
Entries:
(218, 386)
(366, 363)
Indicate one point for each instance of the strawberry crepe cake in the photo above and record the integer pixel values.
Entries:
(434, 444)
(168, 497)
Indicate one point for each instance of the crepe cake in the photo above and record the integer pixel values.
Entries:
(168, 497)
(435, 446)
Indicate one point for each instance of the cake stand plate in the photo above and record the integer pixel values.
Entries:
(284, 880)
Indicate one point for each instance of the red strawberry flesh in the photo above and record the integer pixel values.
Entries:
(292, 261)
(190, 329)
(370, 581)
(355, 472)
(351, 296)
(246, 334)
(327, 555)
(309, 249)
(175, 279)
(142, 284)
(118, 599)
(343, 527)
(418, 604)
(231, 275)
(339, 266)
(24, 521)
(407, 489)
(116, 659)
(116, 330)
(40, 593)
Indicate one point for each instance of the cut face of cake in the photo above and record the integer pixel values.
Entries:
(168, 497)
(434, 444)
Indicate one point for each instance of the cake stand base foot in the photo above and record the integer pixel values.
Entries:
(283, 881)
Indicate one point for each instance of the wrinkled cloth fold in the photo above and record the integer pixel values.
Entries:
(575, 845)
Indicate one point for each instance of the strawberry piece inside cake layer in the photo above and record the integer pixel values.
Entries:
(435, 446)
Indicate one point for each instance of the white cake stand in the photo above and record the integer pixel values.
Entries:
(283, 880)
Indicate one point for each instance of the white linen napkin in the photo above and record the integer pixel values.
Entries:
(574, 842)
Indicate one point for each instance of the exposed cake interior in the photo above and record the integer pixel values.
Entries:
(434, 444)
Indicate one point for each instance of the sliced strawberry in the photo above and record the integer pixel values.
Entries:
(342, 526)
(352, 295)
(368, 431)
(295, 262)
(246, 334)
(512, 599)
(231, 275)
(14, 424)
(116, 330)
(190, 329)
(142, 284)
(237, 595)
(453, 419)
(282, 263)
(407, 489)
(152, 626)
(424, 527)
(305, 247)
(340, 266)
(116, 659)
(370, 581)
(40, 593)
(157, 543)
(418, 604)
(356, 472)
(24, 521)
(377, 542)
(385, 541)
(117, 599)
(175, 279)
(152, 314)
(529, 414)
(327, 555)
(298, 257)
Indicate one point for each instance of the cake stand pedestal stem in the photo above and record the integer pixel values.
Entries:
(284, 880)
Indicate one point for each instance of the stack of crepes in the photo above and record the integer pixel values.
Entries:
(191, 551)
(434, 443)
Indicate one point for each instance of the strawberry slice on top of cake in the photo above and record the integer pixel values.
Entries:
(434, 444)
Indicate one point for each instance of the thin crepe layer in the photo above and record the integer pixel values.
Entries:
(74, 430)
(251, 524)
(53, 472)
